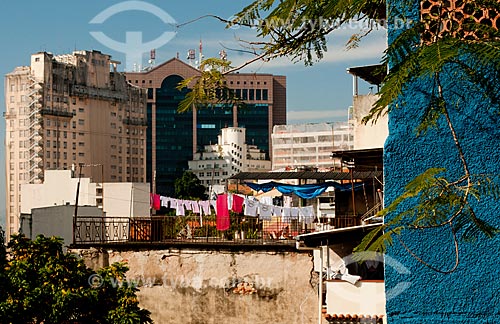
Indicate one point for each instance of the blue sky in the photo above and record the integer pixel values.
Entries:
(319, 93)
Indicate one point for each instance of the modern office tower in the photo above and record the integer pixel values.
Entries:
(63, 111)
(174, 138)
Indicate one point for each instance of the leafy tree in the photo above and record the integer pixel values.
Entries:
(433, 49)
(39, 283)
(189, 187)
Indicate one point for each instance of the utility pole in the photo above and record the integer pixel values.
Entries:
(76, 202)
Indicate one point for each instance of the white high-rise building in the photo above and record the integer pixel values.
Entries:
(228, 157)
(309, 145)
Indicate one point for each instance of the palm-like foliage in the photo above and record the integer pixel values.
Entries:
(208, 89)
(298, 29)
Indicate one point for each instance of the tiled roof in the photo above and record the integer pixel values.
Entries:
(354, 318)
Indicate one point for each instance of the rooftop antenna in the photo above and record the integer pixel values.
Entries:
(152, 58)
(191, 56)
(201, 53)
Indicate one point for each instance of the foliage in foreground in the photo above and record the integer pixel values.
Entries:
(40, 283)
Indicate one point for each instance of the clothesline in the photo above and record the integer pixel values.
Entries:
(234, 202)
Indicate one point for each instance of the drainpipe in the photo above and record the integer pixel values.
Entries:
(320, 299)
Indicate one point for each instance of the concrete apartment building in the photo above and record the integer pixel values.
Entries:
(309, 145)
(228, 157)
(367, 135)
(174, 138)
(48, 208)
(71, 109)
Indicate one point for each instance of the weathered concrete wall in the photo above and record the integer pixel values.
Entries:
(471, 293)
(194, 286)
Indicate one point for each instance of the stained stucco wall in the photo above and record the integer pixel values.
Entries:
(471, 293)
(194, 286)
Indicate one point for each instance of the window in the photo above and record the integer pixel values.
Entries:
(245, 94)
(258, 93)
(12, 99)
(265, 94)
(251, 94)
(81, 122)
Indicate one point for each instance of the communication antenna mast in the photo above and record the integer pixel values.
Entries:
(201, 54)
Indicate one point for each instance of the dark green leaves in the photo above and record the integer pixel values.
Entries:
(39, 282)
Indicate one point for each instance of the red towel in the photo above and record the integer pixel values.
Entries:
(237, 204)
(156, 202)
(222, 213)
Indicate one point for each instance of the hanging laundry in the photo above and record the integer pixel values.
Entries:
(187, 205)
(195, 207)
(266, 212)
(287, 201)
(266, 200)
(237, 205)
(205, 207)
(306, 214)
(173, 203)
(165, 201)
(222, 213)
(179, 211)
(156, 202)
(229, 200)
(286, 215)
(277, 211)
(294, 213)
(251, 207)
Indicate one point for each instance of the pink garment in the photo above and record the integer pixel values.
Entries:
(204, 207)
(237, 204)
(156, 202)
(196, 207)
(222, 218)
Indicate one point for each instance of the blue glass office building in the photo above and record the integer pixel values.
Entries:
(173, 137)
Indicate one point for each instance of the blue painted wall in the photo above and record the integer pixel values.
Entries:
(472, 293)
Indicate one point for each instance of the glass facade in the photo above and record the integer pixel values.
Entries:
(174, 132)
(173, 136)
